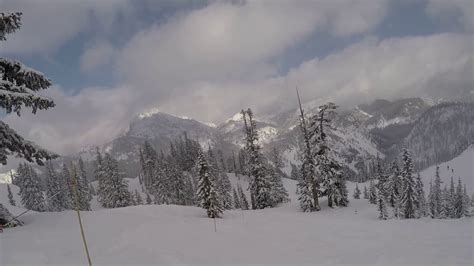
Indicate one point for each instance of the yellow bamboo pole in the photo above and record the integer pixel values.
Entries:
(76, 196)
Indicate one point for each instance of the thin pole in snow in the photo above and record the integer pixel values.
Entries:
(79, 215)
(215, 225)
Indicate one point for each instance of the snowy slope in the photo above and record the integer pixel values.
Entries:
(459, 167)
(165, 235)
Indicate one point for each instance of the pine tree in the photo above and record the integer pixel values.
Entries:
(259, 185)
(452, 200)
(207, 193)
(82, 188)
(466, 203)
(328, 170)
(66, 196)
(148, 199)
(55, 193)
(393, 185)
(30, 190)
(372, 193)
(421, 200)
(436, 199)
(409, 196)
(222, 185)
(243, 198)
(10, 196)
(356, 192)
(278, 192)
(84, 180)
(115, 192)
(237, 203)
(382, 208)
(138, 198)
(19, 87)
(366, 193)
(309, 185)
(458, 201)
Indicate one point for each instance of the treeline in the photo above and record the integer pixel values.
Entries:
(64, 190)
(398, 188)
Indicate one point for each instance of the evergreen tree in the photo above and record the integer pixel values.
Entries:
(237, 203)
(55, 192)
(92, 190)
(409, 196)
(421, 200)
(372, 193)
(366, 193)
(82, 188)
(459, 201)
(243, 198)
(207, 193)
(20, 87)
(148, 199)
(446, 203)
(309, 185)
(328, 170)
(436, 199)
(10, 196)
(393, 185)
(115, 192)
(279, 194)
(382, 208)
(466, 203)
(295, 174)
(451, 200)
(84, 180)
(138, 198)
(30, 190)
(356, 192)
(259, 185)
(223, 186)
(66, 187)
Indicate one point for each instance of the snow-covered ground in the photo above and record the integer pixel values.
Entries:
(164, 235)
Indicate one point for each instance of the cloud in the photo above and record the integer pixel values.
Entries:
(99, 54)
(92, 117)
(48, 24)
(211, 62)
(227, 43)
(461, 10)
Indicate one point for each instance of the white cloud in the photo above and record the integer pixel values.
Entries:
(46, 25)
(210, 63)
(99, 54)
(462, 10)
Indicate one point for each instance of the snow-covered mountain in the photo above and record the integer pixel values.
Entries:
(435, 133)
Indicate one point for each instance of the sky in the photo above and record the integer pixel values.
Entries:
(110, 60)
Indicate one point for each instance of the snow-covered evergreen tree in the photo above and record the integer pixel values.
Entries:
(466, 203)
(207, 194)
(382, 207)
(278, 192)
(421, 201)
(11, 200)
(115, 192)
(148, 199)
(372, 193)
(55, 192)
(409, 196)
(243, 198)
(237, 202)
(308, 187)
(138, 198)
(84, 180)
(393, 185)
(436, 198)
(31, 195)
(260, 183)
(366, 193)
(223, 186)
(19, 87)
(356, 192)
